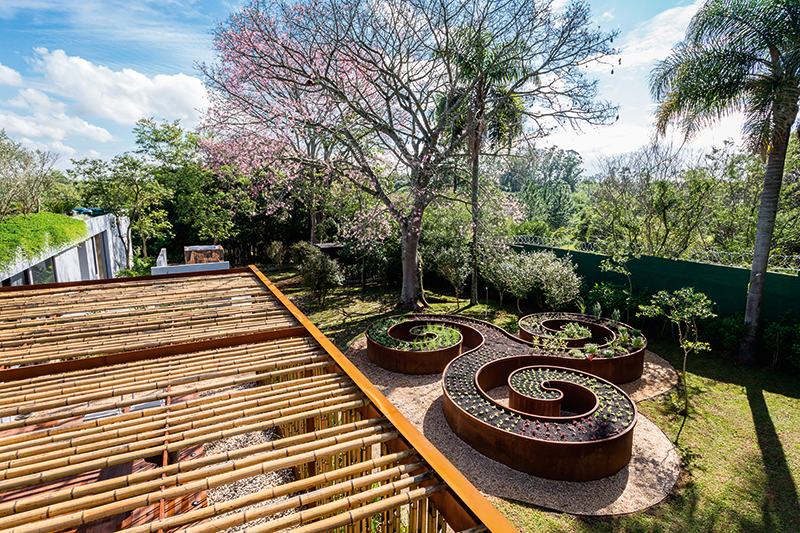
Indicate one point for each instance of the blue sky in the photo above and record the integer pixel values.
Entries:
(75, 75)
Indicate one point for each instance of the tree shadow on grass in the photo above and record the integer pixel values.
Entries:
(780, 508)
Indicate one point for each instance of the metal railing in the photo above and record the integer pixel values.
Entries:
(777, 262)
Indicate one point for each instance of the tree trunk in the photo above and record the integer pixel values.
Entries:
(476, 139)
(473, 295)
(767, 211)
(144, 247)
(313, 226)
(410, 292)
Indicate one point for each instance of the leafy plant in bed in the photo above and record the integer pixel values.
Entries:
(428, 336)
(580, 336)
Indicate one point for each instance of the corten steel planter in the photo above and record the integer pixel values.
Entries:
(421, 361)
(552, 459)
(571, 397)
(617, 369)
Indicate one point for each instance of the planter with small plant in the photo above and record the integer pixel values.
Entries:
(590, 343)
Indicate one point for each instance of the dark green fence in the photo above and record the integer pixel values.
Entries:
(727, 286)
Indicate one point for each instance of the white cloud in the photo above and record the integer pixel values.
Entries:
(608, 15)
(122, 96)
(629, 135)
(36, 100)
(9, 76)
(653, 40)
(53, 126)
(58, 147)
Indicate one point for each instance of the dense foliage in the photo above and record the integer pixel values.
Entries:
(28, 236)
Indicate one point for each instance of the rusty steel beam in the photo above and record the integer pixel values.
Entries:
(88, 363)
(480, 507)
(89, 283)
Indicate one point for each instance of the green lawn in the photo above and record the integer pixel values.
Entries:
(740, 446)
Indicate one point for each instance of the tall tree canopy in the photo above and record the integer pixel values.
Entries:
(367, 75)
(739, 56)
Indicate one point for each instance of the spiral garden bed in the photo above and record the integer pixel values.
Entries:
(418, 345)
(566, 420)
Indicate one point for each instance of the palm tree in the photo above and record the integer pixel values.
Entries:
(484, 107)
(739, 56)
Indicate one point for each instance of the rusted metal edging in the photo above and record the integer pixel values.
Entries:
(461, 486)
(103, 281)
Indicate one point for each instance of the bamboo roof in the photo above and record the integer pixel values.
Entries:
(195, 389)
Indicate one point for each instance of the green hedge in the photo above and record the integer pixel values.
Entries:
(25, 237)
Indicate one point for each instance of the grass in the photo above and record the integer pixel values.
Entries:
(740, 445)
(25, 237)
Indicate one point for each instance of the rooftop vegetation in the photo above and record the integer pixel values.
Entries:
(28, 236)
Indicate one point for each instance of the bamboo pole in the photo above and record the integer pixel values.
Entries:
(73, 493)
(30, 318)
(87, 312)
(150, 336)
(288, 488)
(286, 345)
(279, 355)
(120, 457)
(122, 284)
(341, 503)
(121, 295)
(126, 403)
(149, 493)
(32, 407)
(180, 413)
(127, 420)
(72, 328)
(176, 441)
(348, 504)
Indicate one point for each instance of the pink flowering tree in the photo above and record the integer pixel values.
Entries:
(364, 78)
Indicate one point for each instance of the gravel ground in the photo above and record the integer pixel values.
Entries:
(249, 485)
(645, 481)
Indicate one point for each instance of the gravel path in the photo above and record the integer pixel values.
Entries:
(645, 481)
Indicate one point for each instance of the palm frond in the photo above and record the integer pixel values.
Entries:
(697, 85)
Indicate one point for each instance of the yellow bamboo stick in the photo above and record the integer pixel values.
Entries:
(73, 493)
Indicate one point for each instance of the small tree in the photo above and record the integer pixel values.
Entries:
(683, 308)
(452, 263)
(497, 268)
(321, 274)
(619, 263)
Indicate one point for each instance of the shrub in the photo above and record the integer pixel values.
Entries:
(777, 336)
(722, 333)
(141, 267)
(276, 251)
(28, 236)
(321, 274)
(302, 251)
(615, 296)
